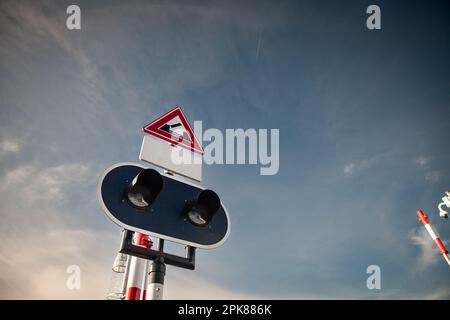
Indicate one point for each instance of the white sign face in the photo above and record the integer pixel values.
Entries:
(172, 158)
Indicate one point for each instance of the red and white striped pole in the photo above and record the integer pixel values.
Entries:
(424, 218)
(136, 284)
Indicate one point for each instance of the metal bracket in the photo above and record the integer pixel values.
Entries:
(127, 247)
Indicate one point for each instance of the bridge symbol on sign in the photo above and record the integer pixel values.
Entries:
(173, 127)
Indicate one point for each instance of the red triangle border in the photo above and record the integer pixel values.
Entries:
(153, 129)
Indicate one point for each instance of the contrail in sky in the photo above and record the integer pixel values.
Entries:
(259, 45)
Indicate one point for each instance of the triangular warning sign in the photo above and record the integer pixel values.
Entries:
(173, 127)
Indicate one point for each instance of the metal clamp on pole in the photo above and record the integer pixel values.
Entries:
(127, 247)
(156, 276)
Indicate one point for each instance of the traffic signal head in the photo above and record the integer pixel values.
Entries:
(204, 207)
(144, 188)
(143, 200)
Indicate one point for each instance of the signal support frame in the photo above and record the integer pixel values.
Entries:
(186, 262)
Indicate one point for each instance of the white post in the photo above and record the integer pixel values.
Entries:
(138, 271)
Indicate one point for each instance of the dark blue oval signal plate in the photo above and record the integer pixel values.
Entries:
(166, 217)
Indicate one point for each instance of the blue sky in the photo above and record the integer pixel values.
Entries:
(363, 119)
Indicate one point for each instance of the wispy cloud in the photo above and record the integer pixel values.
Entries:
(421, 161)
(428, 253)
(348, 168)
(352, 167)
(432, 176)
(35, 183)
(440, 294)
(9, 147)
(39, 24)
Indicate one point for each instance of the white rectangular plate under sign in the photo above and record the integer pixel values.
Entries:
(175, 159)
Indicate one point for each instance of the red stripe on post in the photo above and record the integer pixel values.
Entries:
(133, 293)
(440, 245)
(422, 217)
